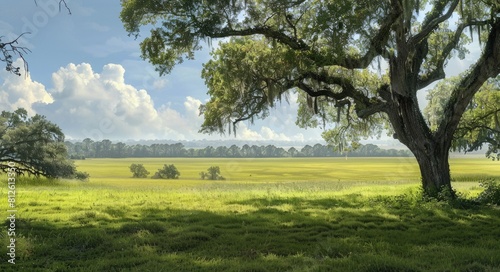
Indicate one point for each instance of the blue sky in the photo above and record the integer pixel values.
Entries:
(86, 75)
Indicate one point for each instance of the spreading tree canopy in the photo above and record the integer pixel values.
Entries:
(35, 144)
(332, 52)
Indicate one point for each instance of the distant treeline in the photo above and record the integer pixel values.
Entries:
(107, 149)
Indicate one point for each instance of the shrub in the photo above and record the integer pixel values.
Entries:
(213, 173)
(167, 172)
(138, 171)
(491, 193)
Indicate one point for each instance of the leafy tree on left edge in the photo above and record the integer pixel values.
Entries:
(35, 144)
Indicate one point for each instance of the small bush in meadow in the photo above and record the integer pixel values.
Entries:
(167, 172)
(138, 171)
(213, 173)
(491, 193)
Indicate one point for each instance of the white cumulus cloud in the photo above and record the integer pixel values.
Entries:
(102, 105)
(21, 92)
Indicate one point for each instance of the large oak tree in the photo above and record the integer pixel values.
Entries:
(332, 53)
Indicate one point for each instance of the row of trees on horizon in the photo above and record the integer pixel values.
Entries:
(107, 149)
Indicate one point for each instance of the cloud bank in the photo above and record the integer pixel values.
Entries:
(87, 104)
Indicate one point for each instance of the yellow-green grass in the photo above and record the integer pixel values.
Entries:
(330, 172)
(268, 215)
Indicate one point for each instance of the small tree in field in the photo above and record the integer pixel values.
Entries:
(213, 173)
(167, 172)
(138, 171)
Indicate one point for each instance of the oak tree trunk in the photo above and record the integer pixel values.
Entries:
(432, 154)
(435, 171)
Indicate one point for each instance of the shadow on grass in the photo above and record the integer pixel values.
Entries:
(349, 201)
(282, 234)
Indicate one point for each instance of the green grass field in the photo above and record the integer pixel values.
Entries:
(326, 214)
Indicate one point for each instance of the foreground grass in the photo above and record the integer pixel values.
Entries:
(304, 222)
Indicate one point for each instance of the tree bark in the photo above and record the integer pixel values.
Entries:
(432, 154)
(435, 171)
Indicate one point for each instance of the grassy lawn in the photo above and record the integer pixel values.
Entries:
(268, 215)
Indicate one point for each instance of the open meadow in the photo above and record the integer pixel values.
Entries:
(315, 214)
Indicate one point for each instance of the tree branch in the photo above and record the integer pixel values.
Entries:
(364, 106)
(377, 44)
(294, 43)
(486, 67)
(10, 48)
(438, 73)
(61, 3)
(348, 89)
(249, 115)
(21, 167)
(433, 20)
(292, 26)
